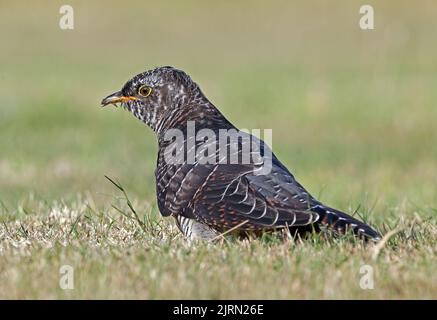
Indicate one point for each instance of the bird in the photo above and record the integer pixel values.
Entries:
(211, 198)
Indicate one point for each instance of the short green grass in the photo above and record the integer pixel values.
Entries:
(352, 112)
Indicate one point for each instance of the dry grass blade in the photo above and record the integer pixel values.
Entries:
(221, 235)
(380, 245)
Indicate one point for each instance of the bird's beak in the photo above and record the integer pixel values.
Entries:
(115, 98)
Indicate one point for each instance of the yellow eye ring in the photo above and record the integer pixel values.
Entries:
(144, 91)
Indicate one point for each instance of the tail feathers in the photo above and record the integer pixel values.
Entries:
(342, 222)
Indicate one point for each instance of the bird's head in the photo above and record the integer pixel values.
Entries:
(155, 95)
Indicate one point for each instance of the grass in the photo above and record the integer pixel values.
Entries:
(115, 256)
(352, 112)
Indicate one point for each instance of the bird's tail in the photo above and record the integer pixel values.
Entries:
(341, 222)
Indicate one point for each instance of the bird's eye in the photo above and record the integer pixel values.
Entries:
(144, 91)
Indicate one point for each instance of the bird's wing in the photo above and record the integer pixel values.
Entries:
(231, 196)
(226, 195)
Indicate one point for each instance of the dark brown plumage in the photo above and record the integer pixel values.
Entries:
(210, 198)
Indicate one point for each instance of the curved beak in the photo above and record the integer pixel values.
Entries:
(115, 98)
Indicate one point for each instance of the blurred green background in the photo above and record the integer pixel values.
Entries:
(353, 112)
